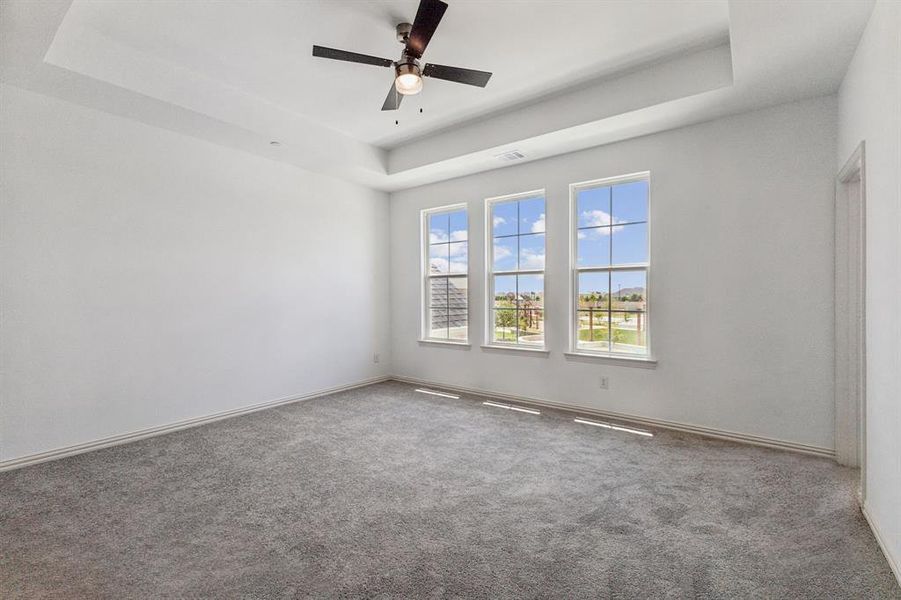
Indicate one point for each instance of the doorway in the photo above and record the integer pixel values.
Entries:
(850, 316)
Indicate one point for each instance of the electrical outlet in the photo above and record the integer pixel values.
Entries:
(604, 382)
(375, 358)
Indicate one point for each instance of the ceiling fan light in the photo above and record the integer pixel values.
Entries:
(408, 84)
(408, 80)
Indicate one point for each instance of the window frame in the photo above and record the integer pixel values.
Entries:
(426, 276)
(575, 270)
(489, 341)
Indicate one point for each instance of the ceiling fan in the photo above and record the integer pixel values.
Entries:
(408, 73)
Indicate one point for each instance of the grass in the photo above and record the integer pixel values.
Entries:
(508, 334)
(623, 336)
(505, 334)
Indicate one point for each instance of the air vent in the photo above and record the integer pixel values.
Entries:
(510, 156)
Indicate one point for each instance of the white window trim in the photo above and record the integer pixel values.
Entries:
(490, 273)
(574, 350)
(425, 277)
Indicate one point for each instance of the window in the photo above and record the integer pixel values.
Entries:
(610, 266)
(515, 226)
(445, 281)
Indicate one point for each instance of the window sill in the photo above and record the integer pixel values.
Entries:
(642, 362)
(426, 342)
(540, 351)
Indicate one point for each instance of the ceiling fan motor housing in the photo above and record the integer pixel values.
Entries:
(403, 32)
(408, 64)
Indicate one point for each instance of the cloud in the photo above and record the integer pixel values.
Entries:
(499, 221)
(597, 218)
(441, 265)
(436, 236)
(531, 259)
(538, 225)
(457, 249)
(502, 252)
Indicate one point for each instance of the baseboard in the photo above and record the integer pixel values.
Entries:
(894, 562)
(33, 459)
(709, 432)
(125, 438)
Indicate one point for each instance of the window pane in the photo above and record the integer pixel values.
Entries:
(531, 309)
(531, 291)
(503, 218)
(518, 243)
(531, 325)
(612, 231)
(438, 258)
(594, 291)
(457, 294)
(630, 202)
(458, 226)
(531, 216)
(629, 290)
(438, 228)
(593, 247)
(629, 332)
(593, 329)
(459, 262)
(438, 323)
(505, 254)
(531, 251)
(505, 291)
(446, 281)
(504, 325)
(438, 291)
(457, 325)
(630, 244)
(593, 207)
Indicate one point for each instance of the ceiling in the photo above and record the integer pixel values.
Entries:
(264, 50)
(241, 73)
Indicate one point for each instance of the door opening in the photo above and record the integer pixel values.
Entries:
(850, 316)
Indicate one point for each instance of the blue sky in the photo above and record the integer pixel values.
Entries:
(448, 227)
(620, 280)
(524, 220)
(531, 217)
(624, 202)
(612, 210)
(518, 228)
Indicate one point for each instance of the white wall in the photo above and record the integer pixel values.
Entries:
(870, 110)
(741, 283)
(148, 277)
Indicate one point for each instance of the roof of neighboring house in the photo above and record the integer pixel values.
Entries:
(448, 301)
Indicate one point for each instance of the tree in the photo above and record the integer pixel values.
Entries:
(505, 318)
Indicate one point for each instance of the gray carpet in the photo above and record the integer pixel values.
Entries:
(383, 492)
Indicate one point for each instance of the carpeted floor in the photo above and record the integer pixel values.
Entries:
(384, 492)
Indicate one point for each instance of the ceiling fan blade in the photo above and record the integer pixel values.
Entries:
(456, 74)
(428, 15)
(392, 102)
(365, 59)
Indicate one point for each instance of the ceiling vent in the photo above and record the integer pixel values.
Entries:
(510, 156)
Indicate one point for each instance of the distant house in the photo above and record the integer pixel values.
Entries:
(450, 303)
